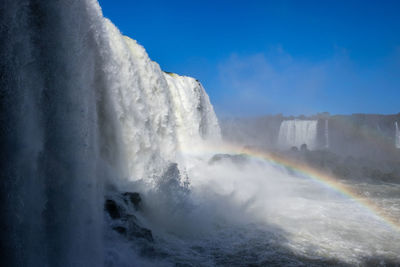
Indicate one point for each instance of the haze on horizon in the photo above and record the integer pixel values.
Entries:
(268, 57)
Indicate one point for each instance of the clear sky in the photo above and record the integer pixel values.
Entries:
(268, 57)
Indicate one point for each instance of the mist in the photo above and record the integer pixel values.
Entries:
(109, 160)
(241, 208)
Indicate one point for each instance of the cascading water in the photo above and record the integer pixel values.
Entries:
(397, 136)
(298, 132)
(194, 115)
(51, 189)
(326, 134)
(81, 105)
(86, 116)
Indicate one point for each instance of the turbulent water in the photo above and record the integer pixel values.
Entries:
(298, 132)
(86, 115)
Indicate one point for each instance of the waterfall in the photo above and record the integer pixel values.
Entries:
(326, 133)
(397, 135)
(298, 132)
(81, 106)
(194, 114)
(51, 188)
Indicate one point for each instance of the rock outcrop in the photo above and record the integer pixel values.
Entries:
(121, 210)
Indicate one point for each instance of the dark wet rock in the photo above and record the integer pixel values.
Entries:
(172, 172)
(121, 210)
(134, 230)
(178, 264)
(120, 229)
(112, 209)
(150, 252)
(173, 181)
(134, 198)
(129, 217)
(379, 262)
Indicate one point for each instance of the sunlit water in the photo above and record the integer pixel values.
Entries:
(84, 109)
(254, 213)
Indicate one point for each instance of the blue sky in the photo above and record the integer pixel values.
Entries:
(268, 57)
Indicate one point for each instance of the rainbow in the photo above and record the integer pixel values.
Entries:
(305, 171)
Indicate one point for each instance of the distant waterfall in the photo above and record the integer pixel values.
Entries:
(397, 135)
(326, 133)
(298, 132)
